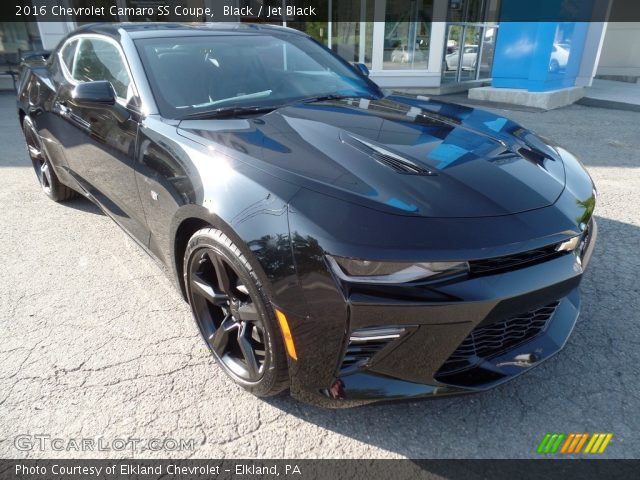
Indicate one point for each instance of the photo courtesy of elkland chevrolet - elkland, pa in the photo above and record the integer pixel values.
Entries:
(333, 239)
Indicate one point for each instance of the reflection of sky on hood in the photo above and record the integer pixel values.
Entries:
(408, 207)
(256, 137)
(497, 124)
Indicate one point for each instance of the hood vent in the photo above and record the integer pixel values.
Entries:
(532, 155)
(400, 166)
(392, 160)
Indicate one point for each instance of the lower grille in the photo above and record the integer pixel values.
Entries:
(492, 340)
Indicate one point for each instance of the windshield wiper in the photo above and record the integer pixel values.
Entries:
(334, 96)
(228, 112)
(237, 111)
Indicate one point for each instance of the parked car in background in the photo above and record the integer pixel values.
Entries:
(469, 58)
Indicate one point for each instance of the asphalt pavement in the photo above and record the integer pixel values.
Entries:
(96, 343)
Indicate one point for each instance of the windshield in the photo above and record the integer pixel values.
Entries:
(193, 74)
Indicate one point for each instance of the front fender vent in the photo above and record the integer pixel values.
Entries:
(366, 343)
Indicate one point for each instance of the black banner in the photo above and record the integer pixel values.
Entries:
(319, 469)
(278, 11)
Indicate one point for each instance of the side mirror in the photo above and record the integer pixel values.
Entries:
(99, 94)
(361, 68)
(94, 94)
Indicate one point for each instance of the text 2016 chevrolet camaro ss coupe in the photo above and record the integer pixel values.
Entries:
(332, 238)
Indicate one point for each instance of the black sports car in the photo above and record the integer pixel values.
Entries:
(332, 238)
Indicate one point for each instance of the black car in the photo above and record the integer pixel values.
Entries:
(332, 238)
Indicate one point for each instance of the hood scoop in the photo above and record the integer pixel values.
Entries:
(386, 157)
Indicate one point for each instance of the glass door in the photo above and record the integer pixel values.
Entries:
(471, 34)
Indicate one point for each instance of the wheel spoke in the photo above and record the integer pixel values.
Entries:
(202, 288)
(46, 174)
(34, 152)
(40, 174)
(219, 339)
(222, 273)
(247, 351)
(248, 312)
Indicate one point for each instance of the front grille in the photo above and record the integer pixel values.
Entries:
(364, 344)
(497, 338)
(517, 260)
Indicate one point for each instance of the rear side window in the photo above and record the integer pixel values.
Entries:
(100, 60)
(68, 53)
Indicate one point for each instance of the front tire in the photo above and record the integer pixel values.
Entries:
(234, 314)
(49, 182)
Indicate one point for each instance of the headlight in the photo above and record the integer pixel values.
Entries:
(366, 271)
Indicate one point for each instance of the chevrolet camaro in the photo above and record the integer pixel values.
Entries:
(334, 239)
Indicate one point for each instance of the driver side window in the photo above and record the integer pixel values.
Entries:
(100, 60)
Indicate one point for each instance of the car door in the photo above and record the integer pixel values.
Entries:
(101, 142)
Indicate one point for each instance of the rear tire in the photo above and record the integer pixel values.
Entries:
(49, 182)
(234, 314)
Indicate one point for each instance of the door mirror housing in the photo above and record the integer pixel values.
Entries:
(94, 94)
(361, 68)
(99, 94)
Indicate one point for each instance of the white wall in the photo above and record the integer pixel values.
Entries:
(52, 32)
(621, 50)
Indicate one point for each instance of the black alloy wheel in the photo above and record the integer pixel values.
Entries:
(233, 315)
(47, 178)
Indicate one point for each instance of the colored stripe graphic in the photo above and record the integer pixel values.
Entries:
(606, 441)
(572, 443)
(598, 443)
(592, 441)
(581, 443)
(551, 442)
(543, 443)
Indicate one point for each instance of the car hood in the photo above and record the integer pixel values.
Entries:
(406, 155)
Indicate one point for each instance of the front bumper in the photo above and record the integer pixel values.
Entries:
(435, 321)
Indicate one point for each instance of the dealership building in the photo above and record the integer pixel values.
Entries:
(432, 45)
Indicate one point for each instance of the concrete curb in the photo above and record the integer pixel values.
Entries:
(611, 104)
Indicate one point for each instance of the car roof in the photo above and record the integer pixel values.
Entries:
(137, 30)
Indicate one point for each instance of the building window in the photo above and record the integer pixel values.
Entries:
(19, 37)
(407, 32)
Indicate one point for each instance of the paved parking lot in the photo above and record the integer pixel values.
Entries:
(96, 342)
